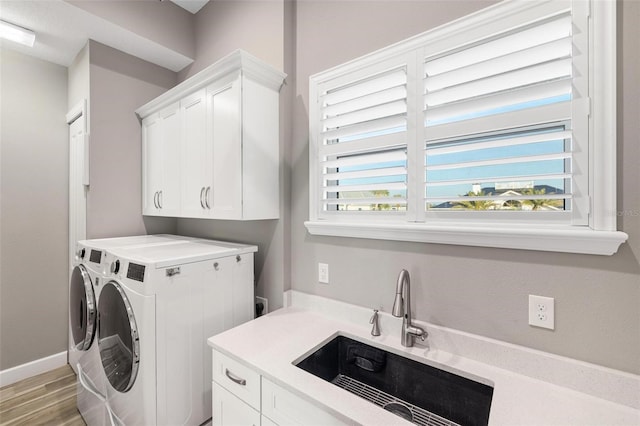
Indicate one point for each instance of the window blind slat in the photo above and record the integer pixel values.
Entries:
(374, 143)
(372, 173)
(389, 186)
(377, 98)
(491, 179)
(497, 103)
(358, 160)
(542, 33)
(499, 161)
(499, 197)
(521, 59)
(368, 86)
(550, 113)
(496, 143)
(366, 200)
(502, 82)
(366, 115)
(367, 127)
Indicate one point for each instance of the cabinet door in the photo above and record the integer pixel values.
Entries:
(196, 163)
(169, 197)
(286, 408)
(229, 410)
(161, 163)
(224, 133)
(267, 422)
(151, 164)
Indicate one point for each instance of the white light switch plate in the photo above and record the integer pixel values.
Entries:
(541, 312)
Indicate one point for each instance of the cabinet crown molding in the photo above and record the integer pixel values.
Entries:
(238, 61)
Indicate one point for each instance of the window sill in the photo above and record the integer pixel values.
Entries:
(556, 239)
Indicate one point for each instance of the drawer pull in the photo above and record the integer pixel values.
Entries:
(234, 378)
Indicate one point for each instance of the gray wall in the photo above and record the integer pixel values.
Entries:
(120, 84)
(258, 28)
(78, 79)
(225, 25)
(34, 210)
(478, 290)
(163, 22)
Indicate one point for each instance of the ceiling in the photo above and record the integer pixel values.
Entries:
(62, 30)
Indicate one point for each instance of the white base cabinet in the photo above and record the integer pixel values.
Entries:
(218, 150)
(228, 409)
(241, 396)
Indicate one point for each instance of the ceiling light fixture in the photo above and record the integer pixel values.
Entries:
(17, 34)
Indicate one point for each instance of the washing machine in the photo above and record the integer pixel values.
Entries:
(156, 310)
(83, 351)
(87, 276)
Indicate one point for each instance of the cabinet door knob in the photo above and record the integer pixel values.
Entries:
(206, 197)
(238, 258)
(201, 201)
(155, 199)
(216, 266)
(160, 199)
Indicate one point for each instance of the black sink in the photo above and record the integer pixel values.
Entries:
(420, 393)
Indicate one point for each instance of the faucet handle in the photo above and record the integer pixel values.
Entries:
(375, 330)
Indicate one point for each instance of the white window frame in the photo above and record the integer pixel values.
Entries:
(596, 236)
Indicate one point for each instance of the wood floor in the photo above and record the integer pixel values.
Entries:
(46, 399)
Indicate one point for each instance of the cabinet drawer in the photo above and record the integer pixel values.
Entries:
(230, 410)
(285, 408)
(237, 378)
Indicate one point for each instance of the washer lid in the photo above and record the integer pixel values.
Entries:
(82, 308)
(118, 337)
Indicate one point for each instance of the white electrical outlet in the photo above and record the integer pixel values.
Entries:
(323, 273)
(541, 312)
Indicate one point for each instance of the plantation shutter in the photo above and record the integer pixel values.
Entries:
(497, 120)
(363, 149)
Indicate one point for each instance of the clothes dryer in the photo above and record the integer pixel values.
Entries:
(156, 310)
(87, 276)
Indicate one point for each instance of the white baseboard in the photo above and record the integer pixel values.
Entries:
(33, 368)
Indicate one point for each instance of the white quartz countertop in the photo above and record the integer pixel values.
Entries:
(273, 343)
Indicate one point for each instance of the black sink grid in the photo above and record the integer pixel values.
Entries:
(455, 398)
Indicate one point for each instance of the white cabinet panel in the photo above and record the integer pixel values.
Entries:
(286, 408)
(229, 410)
(195, 155)
(160, 163)
(265, 421)
(225, 138)
(169, 197)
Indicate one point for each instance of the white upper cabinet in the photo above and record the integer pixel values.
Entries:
(160, 166)
(224, 163)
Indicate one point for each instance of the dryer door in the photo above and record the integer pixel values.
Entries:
(117, 337)
(82, 308)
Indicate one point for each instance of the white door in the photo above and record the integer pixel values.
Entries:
(161, 163)
(78, 179)
(224, 114)
(169, 197)
(151, 164)
(195, 164)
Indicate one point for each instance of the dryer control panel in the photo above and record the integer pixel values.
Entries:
(135, 272)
